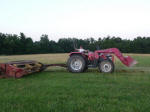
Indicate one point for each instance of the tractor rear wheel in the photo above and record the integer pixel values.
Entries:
(76, 64)
(106, 66)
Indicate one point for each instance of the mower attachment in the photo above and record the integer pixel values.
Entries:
(18, 69)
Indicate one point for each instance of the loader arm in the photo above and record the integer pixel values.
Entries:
(126, 60)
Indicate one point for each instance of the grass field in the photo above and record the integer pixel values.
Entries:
(56, 90)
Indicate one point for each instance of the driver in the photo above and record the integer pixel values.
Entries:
(81, 49)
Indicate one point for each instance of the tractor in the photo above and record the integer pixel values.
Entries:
(81, 60)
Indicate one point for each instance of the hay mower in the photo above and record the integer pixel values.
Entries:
(79, 61)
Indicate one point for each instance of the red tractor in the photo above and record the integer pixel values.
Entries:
(81, 60)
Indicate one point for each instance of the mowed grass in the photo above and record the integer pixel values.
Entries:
(57, 90)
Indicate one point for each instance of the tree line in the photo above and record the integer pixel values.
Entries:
(11, 44)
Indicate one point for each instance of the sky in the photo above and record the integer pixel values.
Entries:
(76, 18)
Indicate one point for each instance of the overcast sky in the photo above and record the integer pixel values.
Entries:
(75, 18)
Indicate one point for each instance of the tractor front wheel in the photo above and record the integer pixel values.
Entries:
(106, 66)
(76, 64)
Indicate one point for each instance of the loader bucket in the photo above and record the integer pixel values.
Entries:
(129, 61)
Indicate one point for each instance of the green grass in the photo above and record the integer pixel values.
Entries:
(56, 90)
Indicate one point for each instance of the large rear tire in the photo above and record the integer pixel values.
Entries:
(106, 66)
(76, 64)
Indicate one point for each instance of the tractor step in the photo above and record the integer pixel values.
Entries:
(92, 66)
